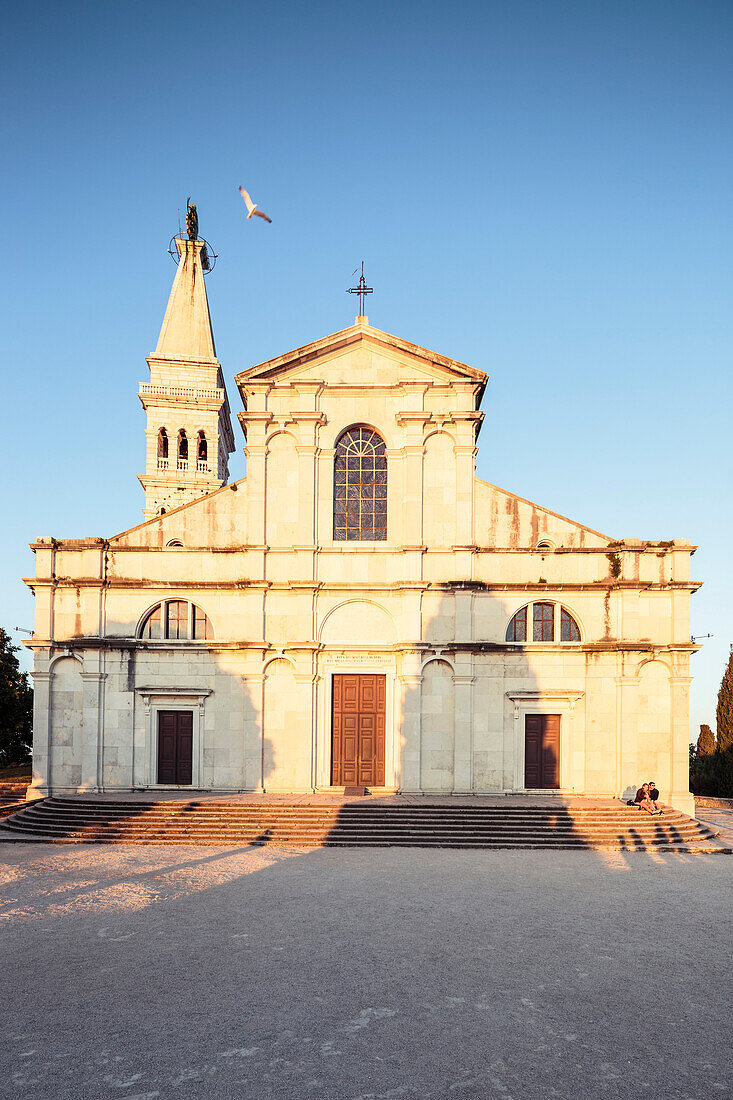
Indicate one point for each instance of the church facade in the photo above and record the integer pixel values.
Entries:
(360, 610)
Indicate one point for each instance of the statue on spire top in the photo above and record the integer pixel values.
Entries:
(192, 220)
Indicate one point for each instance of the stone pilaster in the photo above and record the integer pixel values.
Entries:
(39, 787)
(680, 796)
(92, 728)
(463, 681)
(410, 682)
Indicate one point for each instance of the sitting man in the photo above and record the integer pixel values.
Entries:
(654, 795)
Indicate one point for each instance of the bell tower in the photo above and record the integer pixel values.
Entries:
(189, 433)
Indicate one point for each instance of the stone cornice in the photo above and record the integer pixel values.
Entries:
(86, 543)
(112, 642)
(545, 693)
(543, 590)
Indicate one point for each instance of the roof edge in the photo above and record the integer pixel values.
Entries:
(353, 333)
(557, 515)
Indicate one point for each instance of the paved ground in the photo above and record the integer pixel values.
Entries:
(361, 975)
(719, 818)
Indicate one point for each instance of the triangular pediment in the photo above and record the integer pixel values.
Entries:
(311, 360)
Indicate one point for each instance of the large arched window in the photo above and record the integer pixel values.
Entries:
(176, 620)
(360, 487)
(550, 622)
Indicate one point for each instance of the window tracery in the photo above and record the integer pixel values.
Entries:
(543, 622)
(360, 487)
(569, 630)
(550, 622)
(176, 620)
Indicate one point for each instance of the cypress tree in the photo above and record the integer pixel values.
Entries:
(724, 712)
(706, 741)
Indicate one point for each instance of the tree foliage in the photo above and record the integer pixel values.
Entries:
(16, 707)
(706, 741)
(724, 712)
(712, 775)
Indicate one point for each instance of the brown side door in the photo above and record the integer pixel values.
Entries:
(542, 751)
(175, 747)
(357, 755)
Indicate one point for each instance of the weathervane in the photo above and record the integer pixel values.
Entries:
(207, 255)
(362, 289)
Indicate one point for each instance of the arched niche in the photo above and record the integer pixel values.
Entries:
(282, 491)
(66, 722)
(439, 491)
(280, 726)
(358, 622)
(437, 727)
(654, 733)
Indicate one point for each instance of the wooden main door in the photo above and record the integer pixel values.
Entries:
(357, 755)
(175, 747)
(542, 751)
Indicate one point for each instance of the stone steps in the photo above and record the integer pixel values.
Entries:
(12, 793)
(80, 820)
(344, 811)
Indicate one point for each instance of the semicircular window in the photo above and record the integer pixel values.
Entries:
(548, 622)
(176, 620)
(360, 487)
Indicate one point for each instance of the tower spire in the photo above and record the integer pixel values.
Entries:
(186, 330)
(189, 433)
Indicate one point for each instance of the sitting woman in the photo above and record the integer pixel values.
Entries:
(643, 800)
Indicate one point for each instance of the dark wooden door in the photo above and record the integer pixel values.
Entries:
(175, 747)
(357, 755)
(542, 751)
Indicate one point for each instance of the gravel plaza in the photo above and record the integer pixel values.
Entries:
(144, 972)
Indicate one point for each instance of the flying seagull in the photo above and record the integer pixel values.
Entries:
(252, 206)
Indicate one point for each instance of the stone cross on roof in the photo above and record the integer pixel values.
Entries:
(361, 289)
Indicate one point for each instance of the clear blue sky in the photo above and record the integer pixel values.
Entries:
(541, 189)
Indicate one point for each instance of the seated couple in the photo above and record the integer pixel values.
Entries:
(646, 798)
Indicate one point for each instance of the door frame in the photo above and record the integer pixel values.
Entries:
(173, 699)
(561, 750)
(172, 710)
(542, 703)
(324, 732)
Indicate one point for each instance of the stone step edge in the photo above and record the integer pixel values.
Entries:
(351, 828)
(382, 834)
(664, 849)
(30, 810)
(190, 831)
(348, 807)
(469, 814)
(195, 821)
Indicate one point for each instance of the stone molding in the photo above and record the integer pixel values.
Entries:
(560, 695)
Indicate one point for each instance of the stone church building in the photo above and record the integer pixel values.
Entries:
(360, 610)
